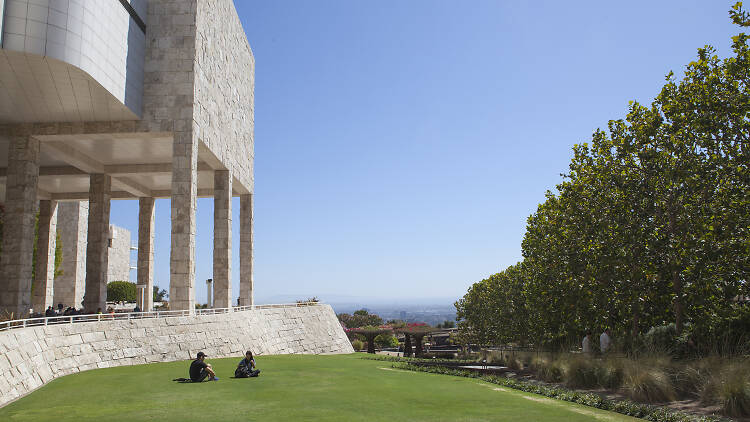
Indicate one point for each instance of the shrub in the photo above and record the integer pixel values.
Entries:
(551, 372)
(734, 394)
(647, 384)
(386, 340)
(611, 374)
(661, 339)
(121, 291)
(625, 407)
(581, 372)
(358, 345)
(728, 385)
(513, 362)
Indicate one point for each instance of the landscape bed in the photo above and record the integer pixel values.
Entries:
(291, 387)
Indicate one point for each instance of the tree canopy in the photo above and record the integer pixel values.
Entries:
(650, 225)
(360, 318)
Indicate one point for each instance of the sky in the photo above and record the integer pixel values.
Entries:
(400, 145)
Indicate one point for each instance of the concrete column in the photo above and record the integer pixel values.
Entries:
(43, 293)
(222, 239)
(146, 251)
(97, 252)
(184, 193)
(18, 225)
(72, 222)
(246, 250)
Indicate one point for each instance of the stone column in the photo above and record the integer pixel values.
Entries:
(246, 250)
(184, 193)
(97, 252)
(43, 293)
(72, 221)
(146, 251)
(222, 239)
(18, 225)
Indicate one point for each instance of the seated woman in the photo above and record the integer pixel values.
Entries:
(246, 367)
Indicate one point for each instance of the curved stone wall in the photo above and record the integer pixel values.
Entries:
(31, 357)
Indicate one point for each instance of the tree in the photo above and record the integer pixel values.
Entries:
(121, 291)
(649, 225)
(360, 318)
(160, 295)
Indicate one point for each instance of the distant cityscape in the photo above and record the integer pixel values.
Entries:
(431, 314)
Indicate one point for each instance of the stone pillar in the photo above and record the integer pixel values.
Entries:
(18, 225)
(72, 221)
(42, 293)
(97, 252)
(184, 193)
(146, 251)
(222, 239)
(246, 250)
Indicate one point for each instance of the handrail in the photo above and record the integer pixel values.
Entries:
(127, 316)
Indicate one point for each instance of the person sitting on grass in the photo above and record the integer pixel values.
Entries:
(246, 367)
(199, 369)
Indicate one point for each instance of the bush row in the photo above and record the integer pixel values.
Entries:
(625, 407)
(444, 362)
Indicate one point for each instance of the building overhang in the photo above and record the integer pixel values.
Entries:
(140, 165)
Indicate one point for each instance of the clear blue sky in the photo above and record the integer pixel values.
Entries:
(401, 145)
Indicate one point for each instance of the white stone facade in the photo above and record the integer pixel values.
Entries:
(119, 254)
(73, 228)
(196, 122)
(31, 357)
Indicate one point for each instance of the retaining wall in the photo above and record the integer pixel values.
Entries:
(33, 356)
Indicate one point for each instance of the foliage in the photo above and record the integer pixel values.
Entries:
(160, 295)
(308, 301)
(360, 318)
(649, 385)
(648, 227)
(447, 324)
(58, 251)
(625, 407)
(121, 291)
(386, 340)
(358, 344)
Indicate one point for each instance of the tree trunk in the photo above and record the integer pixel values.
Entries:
(371, 343)
(418, 346)
(678, 309)
(407, 345)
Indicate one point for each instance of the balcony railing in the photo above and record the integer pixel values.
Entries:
(127, 316)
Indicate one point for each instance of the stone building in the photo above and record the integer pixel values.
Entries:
(123, 100)
(72, 227)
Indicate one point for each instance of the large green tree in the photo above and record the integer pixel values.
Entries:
(650, 225)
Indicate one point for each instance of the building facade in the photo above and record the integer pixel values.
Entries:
(123, 100)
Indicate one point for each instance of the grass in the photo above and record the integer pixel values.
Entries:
(290, 388)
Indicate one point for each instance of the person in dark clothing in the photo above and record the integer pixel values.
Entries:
(246, 367)
(200, 370)
(49, 312)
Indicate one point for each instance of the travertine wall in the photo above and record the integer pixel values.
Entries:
(72, 223)
(31, 357)
(118, 262)
(224, 85)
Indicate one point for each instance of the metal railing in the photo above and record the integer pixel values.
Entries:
(127, 316)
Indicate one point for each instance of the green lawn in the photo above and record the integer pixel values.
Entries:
(290, 388)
